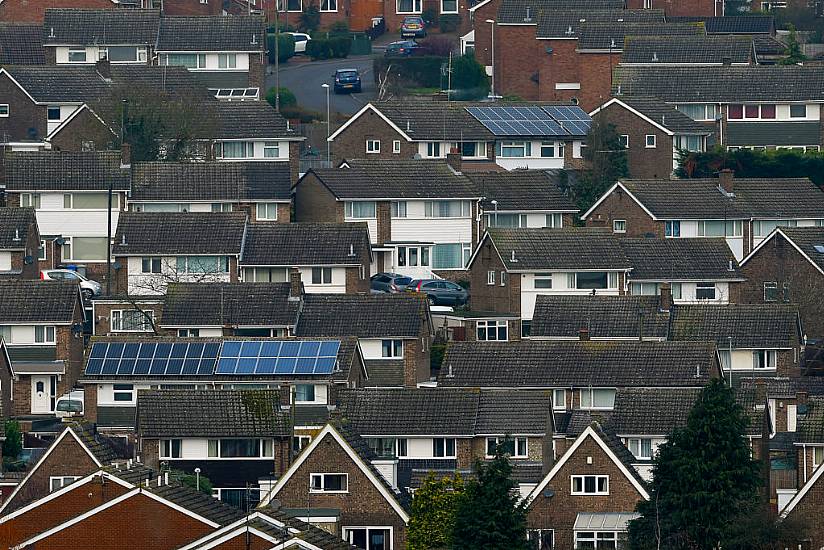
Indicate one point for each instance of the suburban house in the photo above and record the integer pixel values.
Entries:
(422, 215)
(788, 267)
(694, 50)
(19, 243)
(742, 210)
(126, 315)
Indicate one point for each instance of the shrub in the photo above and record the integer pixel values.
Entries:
(468, 73)
(430, 17)
(286, 47)
(449, 22)
(328, 48)
(310, 18)
(340, 46)
(204, 484)
(416, 72)
(338, 28)
(438, 45)
(13, 444)
(287, 98)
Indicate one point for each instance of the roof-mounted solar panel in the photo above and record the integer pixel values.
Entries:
(152, 358)
(280, 357)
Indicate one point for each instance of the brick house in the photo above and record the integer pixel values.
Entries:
(120, 314)
(787, 266)
(19, 243)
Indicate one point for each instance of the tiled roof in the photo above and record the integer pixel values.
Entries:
(14, 227)
(666, 115)
(612, 35)
(197, 501)
(238, 33)
(811, 425)
(605, 316)
(569, 24)
(767, 45)
(236, 304)
(787, 387)
(523, 190)
(686, 49)
(24, 301)
(733, 24)
(175, 82)
(384, 373)
(60, 83)
(568, 248)
(537, 364)
(250, 119)
(99, 445)
(749, 326)
(620, 450)
(752, 409)
(204, 181)
(132, 27)
(396, 179)
(65, 171)
(513, 412)
(307, 532)
(20, 44)
(807, 238)
(434, 120)
(303, 244)
(211, 413)
(680, 259)
(171, 233)
(724, 84)
(515, 11)
(645, 411)
(364, 316)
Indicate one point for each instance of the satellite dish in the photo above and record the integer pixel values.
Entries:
(60, 241)
(116, 266)
(549, 493)
(28, 260)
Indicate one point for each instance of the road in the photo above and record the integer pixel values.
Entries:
(304, 79)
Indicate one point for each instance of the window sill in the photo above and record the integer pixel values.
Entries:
(320, 492)
(573, 493)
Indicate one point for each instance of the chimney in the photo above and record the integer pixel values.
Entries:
(295, 284)
(725, 178)
(760, 392)
(104, 69)
(125, 155)
(665, 298)
(726, 61)
(547, 449)
(801, 398)
(285, 395)
(453, 159)
(583, 334)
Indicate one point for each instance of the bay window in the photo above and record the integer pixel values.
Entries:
(597, 398)
(360, 210)
(491, 331)
(446, 209)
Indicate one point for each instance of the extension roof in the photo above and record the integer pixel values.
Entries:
(689, 50)
(647, 411)
(523, 190)
(697, 259)
(131, 27)
(305, 244)
(20, 44)
(514, 12)
(365, 316)
(731, 24)
(43, 171)
(234, 304)
(238, 33)
(14, 227)
(774, 326)
(664, 115)
(26, 301)
(614, 35)
(250, 119)
(570, 24)
(610, 317)
(172, 233)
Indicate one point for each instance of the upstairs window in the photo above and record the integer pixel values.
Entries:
(516, 447)
(590, 485)
(543, 280)
(170, 448)
(764, 359)
(150, 265)
(373, 146)
(798, 111)
(328, 483)
(360, 210)
(433, 149)
(392, 349)
(202, 264)
(492, 331)
(44, 334)
(554, 220)
(58, 482)
(131, 320)
(227, 61)
(271, 149)
(53, 114)
(559, 399)
(672, 228)
(4, 110)
(641, 448)
(77, 55)
(446, 209)
(650, 141)
(705, 291)
(304, 393)
(443, 447)
(515, 149)
(399, 209)
(598, 398)
(30, 200)
(719, 228)
(770, 291)
(267, 211)
(321, 275)
(123, 393)
(619, 226)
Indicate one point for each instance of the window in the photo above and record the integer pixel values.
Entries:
(132, 320)
(369, 538)
(514, 447)
(591, 279)
(624, 140)
(554, 220)
(304, 393)
(402, 449)
(5, 332)
(299, 442)
(396, 146)
(188, 60)
(672, 229)
(513, 149)
(53, 114)
(503, 278)
(676, 291)
(552, 149)
(600, 540)
(472, 149)
(384, 447)
(762, 228)
(446, 209)
(321, 275)
(408, 6)
(123, 393)
(451, 256)
(360, 209)
(541, 539)
(798, 111)
(188, 333)
(373, 146)
(719, 228)
(433, 149)
(221, 207)
(735, 112)
(202, 264)
(392, 349)
(689, 143)
(77, 55)
(526, 328)
(506, 220)
(647, 4)
(764, 358)
(490, 278)
(271, 149)
(543, 280)
(619, 226)
(399, 209)
(644, 289)
(590, 485)
(150, 265)
(236, 448)
(43, 334)
(449, 6)
(640, 448)
(170, 448)
(559, 399)
(785, 292)
(58, 482)
(85, 248)
(597, 398)
(413, 255)
(227, 61)
(490, 331)
(41, 251)
(818, 455)
(89, 201)
(768, 111)
(30, 200)
(649, 141)
(705, 291)
(267, 211)
(443, 447)
(328, 483)
(699, 112)
(234, 149)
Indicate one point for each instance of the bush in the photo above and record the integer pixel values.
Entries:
(437, 45)
(338, 28)
(286, 47)
(287, 98)
(204, 484)
(298, 113)
(430, 17)
(329, 48)
(436, 354)
(13, 444)
(449, 22)
(310, 18)
(468, 74)
(284, 27)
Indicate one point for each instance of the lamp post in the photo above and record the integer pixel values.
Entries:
(492, 22)
(495, 205)
(328, 128)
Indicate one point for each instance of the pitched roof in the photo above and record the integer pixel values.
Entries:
(569, 23)
(170, 233)
(542, 364)
(211, 413)
(514, 11)
(364, 316)
(690, 50)
(14, 227)
(65, 171)
(810, 426)
(393, 178)
(25, 301)
(20, 44)
(767, 45)
(806, 238)
(787, 387)
(303, 244)
(132, 27)
(523, 190)
(428, 120)
(59, 83)
(216, 181)
(513, 412)
(612, 35)
(197, 502)
(646, 411)
(235, 304)
(238, 33)
(568, 248)
(609, 317)
(250, 119)
(749, 326)
(730, 24)
(98, 444)
(384, 373)
(663, 114)
(681, 259)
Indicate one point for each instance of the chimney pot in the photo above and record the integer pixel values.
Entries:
(583, 334)
(725, 179)
(665, 298)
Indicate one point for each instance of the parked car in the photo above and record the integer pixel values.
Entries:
(70, 404)
(301, 40)
(389, 282)
(401, 48)
(440, 292)
(347, 80)
(88, 287)
(413, 26)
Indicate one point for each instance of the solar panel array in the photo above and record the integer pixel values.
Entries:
(291, 357)
(574, 119)
(554, 120)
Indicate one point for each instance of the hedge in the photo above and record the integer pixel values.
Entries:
(286, 47)
(328, 48)
(782, 163)
(423, 72)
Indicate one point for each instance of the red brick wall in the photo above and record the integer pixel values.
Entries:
(808, 511)
(516, 61)
(84, 127)
(497, 298)
(34, 10)
(622, 207)
(351, 143)
(24, 115)
(314, 202)
(483, 31)
(191, 7)
(683, 7)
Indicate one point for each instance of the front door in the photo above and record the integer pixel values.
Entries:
(43, 390)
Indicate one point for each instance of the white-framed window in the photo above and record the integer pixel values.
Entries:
(234, 149)
(672, 228)
(360, 210)
(701, 111)
(299, 442)
(515, 149)
(267, 211)
(44, 334)
(650, 141)
(503, 277)
(590, 485)
(624, 140)
(321, 275)
(433, 149)
(798, 111)
(290, 5)
(516, 447)
(30, 200)
(329, 483)
(676, 291)
(369, 538)
(123, 393)
(555, 221)
(413, 256)
(221, 207)
(541, 539)
(151, 265)
(644, 289)
(42, 251)
(446, 209)
(619, 226)
(647, 4)
(492, 331)
(543, 280)
(506, 220)
(131, 320)
(188, 60)
(328, 5)
(188, 333)
(689, 142)
(271, 149)
(599, 540)
(77, 55)
(443, 447)
(392, 349)
(304, 393)
(398, 209)
(58, 482)
(373, 146)
(490, 278)
(396, 146)
(588, 280)
(720, 228)
(552, 149)
(640, 447)
(559, 399)
(764, 359)
(240, 448)
(762, 228)
(408, 6)
(705, 291)
(90, 201)
(4, 110)
(818, 456)
(597, 398)
(449, 6)
(770, 291)
(227, 61)
(202, 264)
(171, 448)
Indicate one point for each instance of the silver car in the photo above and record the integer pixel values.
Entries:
(88, 287)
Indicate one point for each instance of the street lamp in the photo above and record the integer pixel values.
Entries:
(495, 205)
(328, 128)
(492, 22)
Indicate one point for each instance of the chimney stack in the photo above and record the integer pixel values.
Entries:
(583, 334)
(104, 69)
(760, 391)
(125, 155)
(547, 449)
(801, 397)
(295, 284)
(666, 297)
(725, 179)
(453, 159)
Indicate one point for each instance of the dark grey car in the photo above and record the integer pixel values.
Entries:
(389, 282)
(440, 292)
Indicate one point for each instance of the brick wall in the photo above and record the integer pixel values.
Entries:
(808, 511)
(351, 143)
(516, 55)
(314, 202)
(103, 317)
(497, 298)
(90, 402)
(85, 127)
(622, 207)
(191, 7)
(33, 11)
(354, 283)
(683, 7)
(26, 121)
(384, 221)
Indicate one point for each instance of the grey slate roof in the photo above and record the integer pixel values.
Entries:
(540, 364)
(59, 83)
(169, 81)
(666, 115)
(211, 413)
(807, 238)
(211, 181)
(198, 502)
(723, 84)
(14, 227)
(238, 33)
(606, 316)
(783, 387)
(690, 50)
(65, 171)
(171, 233)
(557, 24)
(303, 244)
(434, 120)
(731, 24)
(250, 119)
(523, 190)
(99, 445)
(20, 44)
(133, 27)
(768, 46)
(364, 316)
(504, 412)
(613, 35)
(568, 248)
(25, 301)
(396, 179)
(514, 11)
(618, 448)
(810, 426)
(681, 259)
(750, 326)
(645, 411)
(236, 304)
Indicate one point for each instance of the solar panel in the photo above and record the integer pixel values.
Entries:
(574, 119)
(278, 357)
(152, 358)
(517, 121)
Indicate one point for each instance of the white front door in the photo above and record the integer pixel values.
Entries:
(43, 389)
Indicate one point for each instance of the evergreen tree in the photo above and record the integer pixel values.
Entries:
(606, 157)
(793, 51)
(703, 479)
(13, 444)
(433, 513)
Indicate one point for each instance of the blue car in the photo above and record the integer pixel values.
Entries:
(347, 80)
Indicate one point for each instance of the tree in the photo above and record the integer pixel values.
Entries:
(489, 515)
(703, 479)
(310, 18)
(781, 163)
(433, 512)
(13, 444)
(606, 159)
(793, 51)
(468, 74)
